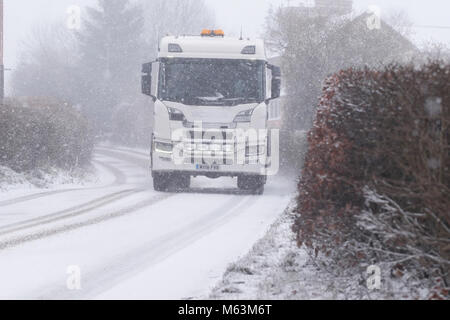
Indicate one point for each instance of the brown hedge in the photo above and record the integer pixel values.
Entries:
(385, 133)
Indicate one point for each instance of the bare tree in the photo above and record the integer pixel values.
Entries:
(400, 22)
(177, 17)
(47, 65)
(313, 46)
(434, 51)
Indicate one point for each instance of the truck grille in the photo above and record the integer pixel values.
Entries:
(219, 147)
(209, 146)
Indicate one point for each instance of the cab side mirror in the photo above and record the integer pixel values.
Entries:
(276, 81)
(147, 79)
(150, 76)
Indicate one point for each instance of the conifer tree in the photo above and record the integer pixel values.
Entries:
(111, 49)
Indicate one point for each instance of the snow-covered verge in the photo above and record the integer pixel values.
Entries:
(49, 178)
(276, 269)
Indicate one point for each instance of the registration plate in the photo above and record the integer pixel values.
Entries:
(208, 167)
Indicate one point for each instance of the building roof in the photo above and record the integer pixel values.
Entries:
(322, 8)
(397, 42)
(211, 47)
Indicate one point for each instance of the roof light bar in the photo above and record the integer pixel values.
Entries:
(219, 33)
(212, 33)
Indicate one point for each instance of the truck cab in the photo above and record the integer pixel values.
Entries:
(211, 96)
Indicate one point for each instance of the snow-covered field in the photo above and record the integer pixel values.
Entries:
(117, 238)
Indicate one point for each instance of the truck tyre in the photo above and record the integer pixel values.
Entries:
(255, 184)
(172, 182)
(179, 181)
(160, 181)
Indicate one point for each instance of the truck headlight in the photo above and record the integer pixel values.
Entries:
(163, 147)
(176, 115)
(244, 116)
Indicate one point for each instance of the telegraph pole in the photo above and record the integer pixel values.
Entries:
(2, 65)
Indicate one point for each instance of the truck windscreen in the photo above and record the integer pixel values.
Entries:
(211, 82)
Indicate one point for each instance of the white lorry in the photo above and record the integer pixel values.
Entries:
(211, 95)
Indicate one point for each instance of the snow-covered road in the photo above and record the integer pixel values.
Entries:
(128, 241)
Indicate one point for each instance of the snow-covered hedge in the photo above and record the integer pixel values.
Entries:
(376, 181)
(37, 134)
(131, 124)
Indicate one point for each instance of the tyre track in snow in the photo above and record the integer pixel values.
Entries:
(129, 151)
(83, 208)
(129, 263)
(77, 210)
(124, 266)
(131, 156)
(45, 233)
(67, 213)
(120, 179)
(126, 156)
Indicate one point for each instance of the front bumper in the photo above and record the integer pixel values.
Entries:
(212, 152)
(163, 162)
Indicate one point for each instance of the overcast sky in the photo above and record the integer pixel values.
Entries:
(22, 15)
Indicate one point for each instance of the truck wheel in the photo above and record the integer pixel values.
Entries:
(179, 181)
(171, 182)
(160, 181)
(255, 184)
